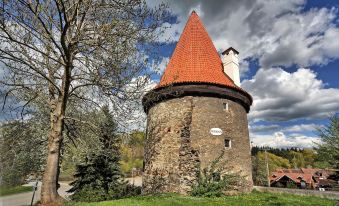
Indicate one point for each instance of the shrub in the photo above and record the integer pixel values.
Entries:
(89, 194)
(214, 182)
(208, 186)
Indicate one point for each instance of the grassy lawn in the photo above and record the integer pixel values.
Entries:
(14, 190)
(253, 199)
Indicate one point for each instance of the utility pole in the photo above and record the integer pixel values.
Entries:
(267, 170)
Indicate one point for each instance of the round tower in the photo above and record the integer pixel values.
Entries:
(196, 115)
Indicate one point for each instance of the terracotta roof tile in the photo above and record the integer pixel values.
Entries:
(296, 177)
(195, 58)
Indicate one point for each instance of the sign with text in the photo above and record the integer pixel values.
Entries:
(216, 131)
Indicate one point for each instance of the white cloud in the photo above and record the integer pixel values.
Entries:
(280, 140)
(277, 128)
(301, 128)
(264, 128)
(278, 33)
(280, 96)
(244, 67)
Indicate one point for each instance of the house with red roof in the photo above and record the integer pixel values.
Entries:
(303, 178)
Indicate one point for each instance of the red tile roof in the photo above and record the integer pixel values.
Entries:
(296, 177)
(195, 59)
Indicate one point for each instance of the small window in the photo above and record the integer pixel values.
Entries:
(225, 106)
(227, 143)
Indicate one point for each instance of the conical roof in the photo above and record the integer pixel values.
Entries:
(195, 59)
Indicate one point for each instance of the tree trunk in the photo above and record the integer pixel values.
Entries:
(49, 193)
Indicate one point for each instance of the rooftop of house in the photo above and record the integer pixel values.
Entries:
(295, 177)
(305, 174)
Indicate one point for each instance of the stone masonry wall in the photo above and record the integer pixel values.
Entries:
(179, 142)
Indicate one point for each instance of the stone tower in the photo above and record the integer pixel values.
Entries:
(196, 114)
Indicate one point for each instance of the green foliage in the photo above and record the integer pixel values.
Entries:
(132, 152)
(328, 150)
(259, 173)
(252, 199)
(321, 164)
(89, 194)
(214, 182)
(297, 157)
(259, 166)
(21, 150)
(291, 185)
(14, 190)
(309, 156)
(99, 177)
(212, 185)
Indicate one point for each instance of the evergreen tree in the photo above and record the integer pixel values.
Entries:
(328, 150)
(100, 177)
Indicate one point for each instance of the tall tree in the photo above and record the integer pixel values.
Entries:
(259, 163)
(100, 171)
(296, 159)
(76, 51)
(328, 149)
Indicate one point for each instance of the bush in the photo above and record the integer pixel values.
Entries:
(213, 182)
(89, 194)
(209, 186)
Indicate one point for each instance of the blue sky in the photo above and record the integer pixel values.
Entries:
(289, 59)
(289, 52)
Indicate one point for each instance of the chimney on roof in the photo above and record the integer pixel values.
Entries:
(230, 62)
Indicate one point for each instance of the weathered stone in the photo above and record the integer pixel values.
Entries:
(182, 152)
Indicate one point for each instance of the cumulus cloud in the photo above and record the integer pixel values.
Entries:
(279, 95)
(302, 128)
(275, 128)
(280, 140)
(278, 33)
(264, 128)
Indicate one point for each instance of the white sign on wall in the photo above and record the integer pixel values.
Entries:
(216, 131)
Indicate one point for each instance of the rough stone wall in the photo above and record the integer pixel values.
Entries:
(179, 142)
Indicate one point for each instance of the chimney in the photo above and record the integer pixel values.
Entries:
(231, 64)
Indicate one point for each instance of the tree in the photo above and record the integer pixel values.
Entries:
(297, 159)
(309, 157)
(132, 151)
(100, 172)
(76, 51)
(259, 166)
(328, 149)
(21, 144)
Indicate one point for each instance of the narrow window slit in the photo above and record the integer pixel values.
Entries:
(227, 143)
(225, 106)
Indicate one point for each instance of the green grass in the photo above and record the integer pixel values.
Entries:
(14, 190)
(253, 199)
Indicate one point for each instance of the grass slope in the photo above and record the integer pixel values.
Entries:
(14, 190)
(253, 199)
